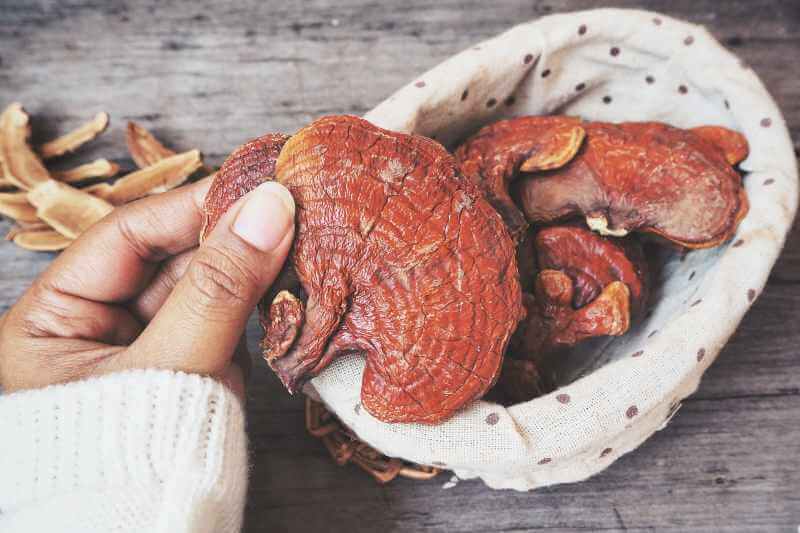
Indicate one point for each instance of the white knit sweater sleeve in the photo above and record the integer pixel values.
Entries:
(141, 450)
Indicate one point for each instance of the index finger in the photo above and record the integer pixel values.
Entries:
(116, 257)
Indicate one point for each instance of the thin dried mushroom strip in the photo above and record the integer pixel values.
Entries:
(76, 138)
(68, 210)
(41, 241)
(647, 177)
(101, 190)
(144, 148)
(5, 183)
(15, 205)
(99, 168)
(159, 177)
(495, 156)
(21, 166)
(20, 227)
(400, 258)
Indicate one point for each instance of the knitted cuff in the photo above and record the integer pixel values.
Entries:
(173, 443)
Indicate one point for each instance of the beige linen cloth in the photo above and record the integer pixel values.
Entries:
(612, 65)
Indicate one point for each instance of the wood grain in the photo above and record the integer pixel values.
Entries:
(211, 75)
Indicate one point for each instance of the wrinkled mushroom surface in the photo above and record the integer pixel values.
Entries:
(552, 323)
(588, 286)
(246, 168)
(646, 176)
(495, 156)
(593, 262)
(400, 259)
(733, 144)
(608, 314)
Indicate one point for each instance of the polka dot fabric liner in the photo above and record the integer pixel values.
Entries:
(612, 65)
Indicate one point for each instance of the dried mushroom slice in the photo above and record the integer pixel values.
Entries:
(495, 156)
(401, 258)
(21, 166)
(99, 168)
(608, 314)
(15, 205)
(38, 240)
(645, 176)
(160, 177)
(68, 210)
(5, 183)
(144, 148)
(76, 138)
(20, 226)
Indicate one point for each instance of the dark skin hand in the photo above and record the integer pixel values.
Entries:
(137, 291)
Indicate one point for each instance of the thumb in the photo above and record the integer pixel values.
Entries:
(199, 325)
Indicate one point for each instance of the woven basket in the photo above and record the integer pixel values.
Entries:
(612, 65)
(345, 447)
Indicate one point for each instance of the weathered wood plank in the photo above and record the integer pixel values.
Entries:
(713, 470)
(289, 59)
(210, 75)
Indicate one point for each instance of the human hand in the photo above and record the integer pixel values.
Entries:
(136, 291)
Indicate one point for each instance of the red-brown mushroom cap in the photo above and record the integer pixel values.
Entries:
(732, 143)
(246, 168)
(495, 156)
(593, 262)
(645, 176)
(401, 259)
(608, 314)
(589, 286)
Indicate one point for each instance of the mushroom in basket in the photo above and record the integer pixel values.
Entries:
(396, 256)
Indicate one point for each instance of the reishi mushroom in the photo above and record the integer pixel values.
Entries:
(400, 254)
(608, 314)
(398, 257)
(647, 177)
(588, 286)
(593, 262)
(495, 156)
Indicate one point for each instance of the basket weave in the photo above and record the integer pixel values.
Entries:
(345, 447)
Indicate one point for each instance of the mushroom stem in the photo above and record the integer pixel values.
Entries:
(599, 223)
(304, 356)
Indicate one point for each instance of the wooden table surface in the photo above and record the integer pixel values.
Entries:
(212, 74)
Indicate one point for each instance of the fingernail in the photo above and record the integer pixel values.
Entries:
(266, 216)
